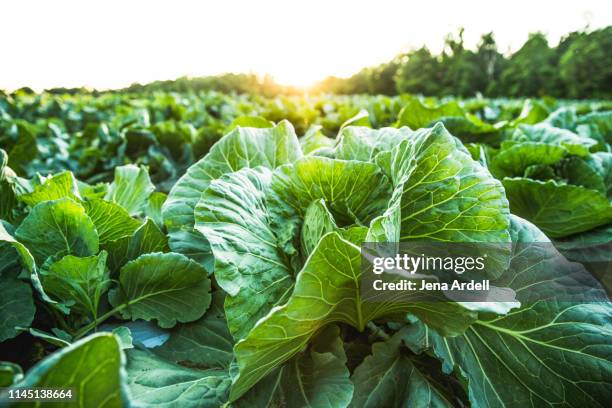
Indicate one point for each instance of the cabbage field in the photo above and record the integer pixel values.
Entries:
(203, 250)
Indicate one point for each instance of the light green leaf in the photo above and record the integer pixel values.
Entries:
(77, 283)
(57, 228)
(355, 192)
(314, 139)
(250, 122)
(532, 112)
(154, 382)
(112, 221)
(154, 208)
(318, 221)
(362, 143)
(147, 238)
(206, 342)
(233, 216)
(554, 136)
(57, 186)
(131, 188)
(327, 291)
(166, 287)
(558, 210)
(442, 193)
(93, 368)
(416, 115)
(242, 147)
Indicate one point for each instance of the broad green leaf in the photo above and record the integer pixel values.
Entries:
(147, 238)
(242, 147)
(548, 353)
(131, 188)
(250, 122)
(24, 147)
(92, 367)
(10, 373)
(532, 112)
(205, 343)
(169, 287)
(154, 382)
(77, 283)
(317, 377)
(327, 291)
(249, 265)
(154, 208)
(50, 338)
(470, 128)
(57, 228)
(318, 221)
(564, 118)
(55, 187)
(8, 201)
(602, 121)
(416, 115)
(112, 221)
(554, 136)
(586, 172)
(362, 143)
(442, 193)
(355, 192)
(314, 139)
(360, 119)
(391, 378)
(16, 304)
(558, 210)
(514, 158)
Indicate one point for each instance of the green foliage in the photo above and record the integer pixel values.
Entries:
(241, 286)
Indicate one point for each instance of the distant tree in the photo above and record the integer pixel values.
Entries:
(586, 65)
(419, 72)
(531, 71)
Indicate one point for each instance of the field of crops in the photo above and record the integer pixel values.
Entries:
(196, 250)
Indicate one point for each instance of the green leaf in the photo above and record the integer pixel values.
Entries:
(92, 367)
(166, 287)
(10, 373)
(360, 119)
(147, 238)
(233, 216)
(441, 193)
(206, 342)
(355, 192)
(131, 188)
(316, 378)
(154, 382)
(327, 291)
(57, 228)
(314, 139)
(558, 210)
(16, 304)
(154, 208)
(77, 283)
(548, 353)
(416, 115)
(532, 112)
(391, 378)
(318, 221)
(242, 147)
(514, 158)
(8, 200)
(112, 221)
(362, 143)
(55, 187)
(250, 122)
(554, 136)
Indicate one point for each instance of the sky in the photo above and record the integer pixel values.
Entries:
(110, 44)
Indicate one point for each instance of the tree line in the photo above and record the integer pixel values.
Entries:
(580, 66)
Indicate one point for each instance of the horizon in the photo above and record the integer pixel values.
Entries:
(87, 45)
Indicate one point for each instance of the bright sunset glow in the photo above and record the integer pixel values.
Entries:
(109, 44)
